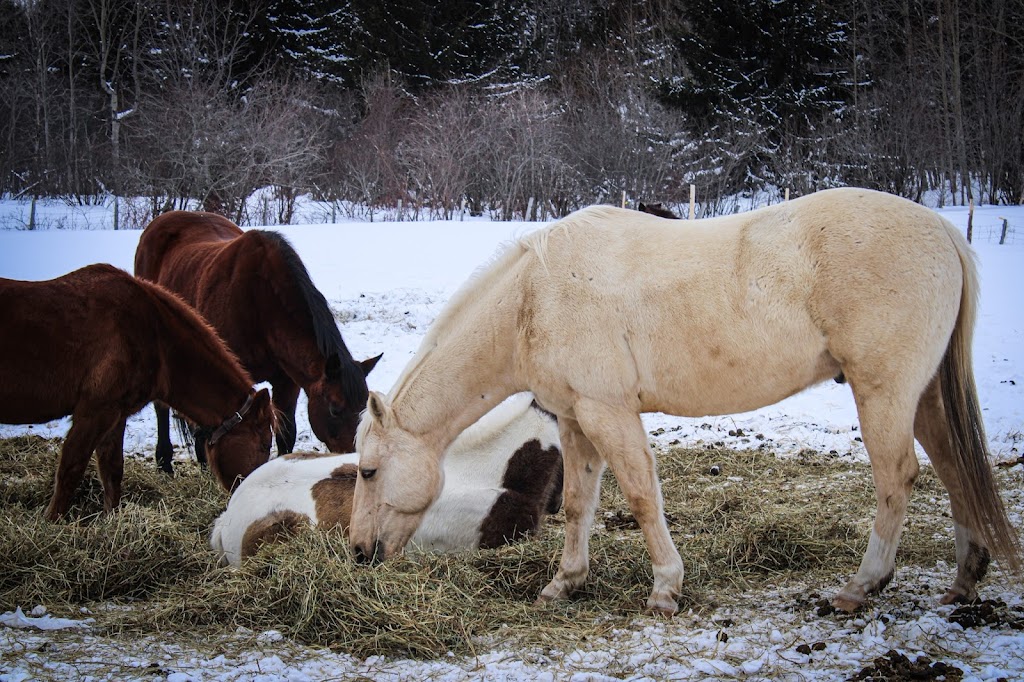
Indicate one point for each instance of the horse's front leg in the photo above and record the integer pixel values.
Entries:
(86, 431)
(110, 465)
(164, 450)
(285, 397)
(582, 469)
(620, 438)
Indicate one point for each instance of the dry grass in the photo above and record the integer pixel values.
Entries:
(759, 520)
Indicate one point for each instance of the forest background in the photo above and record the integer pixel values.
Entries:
(524, 109)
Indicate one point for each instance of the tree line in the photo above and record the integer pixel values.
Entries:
(521, 108)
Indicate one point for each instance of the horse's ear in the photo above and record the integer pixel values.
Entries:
(262, 396)
(378, 408)
(332, 370)
(641, 207)
(369, 363)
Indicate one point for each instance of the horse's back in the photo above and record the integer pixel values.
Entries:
(83, 333)
(675, 314)
(173, 239)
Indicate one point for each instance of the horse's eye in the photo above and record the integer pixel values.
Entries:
(334, 409)
(367, 474)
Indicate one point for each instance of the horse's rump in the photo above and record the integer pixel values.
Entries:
(81, 333)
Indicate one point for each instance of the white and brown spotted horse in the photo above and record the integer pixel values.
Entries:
(609, 313)
(502, 476)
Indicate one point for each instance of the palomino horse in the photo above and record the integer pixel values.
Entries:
(255, 291)
(502, 475)
(609, 313)
(98, 344)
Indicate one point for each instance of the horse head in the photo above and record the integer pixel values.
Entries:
(399, 478)
(336, 400)
(242, 442)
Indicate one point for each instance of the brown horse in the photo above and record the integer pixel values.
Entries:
(657, 209)
(255, 291)
(98, 344)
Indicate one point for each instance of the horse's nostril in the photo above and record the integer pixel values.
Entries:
(374, 557)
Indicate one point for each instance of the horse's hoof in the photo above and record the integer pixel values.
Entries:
(846, 603)
(662, 607)
(554, 591)
(957, 597)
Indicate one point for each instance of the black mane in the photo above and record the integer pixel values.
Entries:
(325, 328)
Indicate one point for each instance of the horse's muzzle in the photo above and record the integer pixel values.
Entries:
(373, 557)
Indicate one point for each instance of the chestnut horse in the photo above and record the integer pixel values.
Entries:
(98, 344)
(608, 313)
(502, 476)
(255, 291)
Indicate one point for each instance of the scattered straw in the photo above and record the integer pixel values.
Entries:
(759, 520)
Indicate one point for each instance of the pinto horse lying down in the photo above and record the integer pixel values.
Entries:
(502, 475)
(98, 344)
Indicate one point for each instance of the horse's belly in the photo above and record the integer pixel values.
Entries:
(706, 386)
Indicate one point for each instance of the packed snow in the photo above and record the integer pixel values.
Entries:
(386, 282)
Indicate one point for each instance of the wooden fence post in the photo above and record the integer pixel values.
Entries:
(1006, 224)
(116, 211)
(32, 214)
(787, 194)
(693, 202)
(623, 198)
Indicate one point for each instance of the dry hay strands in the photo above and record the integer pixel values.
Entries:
(310, 589)
(155, 538)
(28, 465)
(132, 554)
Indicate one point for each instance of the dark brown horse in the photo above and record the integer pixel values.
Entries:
(98, 344)
(657, 209)
(255, 291)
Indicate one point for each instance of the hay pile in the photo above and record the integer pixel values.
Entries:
(747, 523)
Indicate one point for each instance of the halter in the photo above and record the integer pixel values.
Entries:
(232, 421)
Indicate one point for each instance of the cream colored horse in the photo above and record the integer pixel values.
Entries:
(609, 313)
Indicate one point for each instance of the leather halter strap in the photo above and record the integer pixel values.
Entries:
(232, 421)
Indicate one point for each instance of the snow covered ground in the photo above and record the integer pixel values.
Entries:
(386, 282)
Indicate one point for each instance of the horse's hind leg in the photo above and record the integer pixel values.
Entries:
(110, 464)
(972, 556)
(86, 431)
(887, 427)
(164, 450)
(620, 438)
(581, 481)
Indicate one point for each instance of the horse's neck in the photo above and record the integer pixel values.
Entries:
(199, 377)
(293, 342)
(462, 370)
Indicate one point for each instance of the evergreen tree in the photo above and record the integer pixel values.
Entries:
(756, 75)
(768, 60)
(426, 42)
